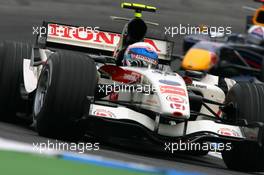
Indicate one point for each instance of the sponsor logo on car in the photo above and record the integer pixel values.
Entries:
(103, 113)
(175, 99)
(177, 106)
(228, 132)
(133, 77)
(199, 86)
(169, 82)
(164, 89)
(83, 34)
(121, 75)
(167, 73)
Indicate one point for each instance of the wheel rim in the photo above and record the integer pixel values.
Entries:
(41, 92)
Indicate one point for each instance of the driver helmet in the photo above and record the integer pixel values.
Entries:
(256, 35)
(140, 54)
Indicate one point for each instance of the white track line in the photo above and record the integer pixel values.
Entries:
(10, 145)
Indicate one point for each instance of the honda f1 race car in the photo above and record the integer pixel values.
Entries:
(75, 82)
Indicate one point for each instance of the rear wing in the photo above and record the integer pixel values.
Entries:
(91, 40)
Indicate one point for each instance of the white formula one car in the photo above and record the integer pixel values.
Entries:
(85, 91)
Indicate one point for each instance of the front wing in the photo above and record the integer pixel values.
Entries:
(204, 129)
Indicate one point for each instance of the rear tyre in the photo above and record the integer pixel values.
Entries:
(249, 101)
(11, 77)
(65, 82)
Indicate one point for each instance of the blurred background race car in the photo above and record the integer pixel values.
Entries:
(239, 61)
(239, 56)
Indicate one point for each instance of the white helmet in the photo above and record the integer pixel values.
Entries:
(256, 35)
(140, 54)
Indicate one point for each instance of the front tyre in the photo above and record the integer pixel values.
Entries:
(248, 100)
(65, 82)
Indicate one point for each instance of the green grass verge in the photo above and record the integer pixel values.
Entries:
(17, 163)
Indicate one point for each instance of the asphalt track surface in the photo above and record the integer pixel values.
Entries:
(17, 18)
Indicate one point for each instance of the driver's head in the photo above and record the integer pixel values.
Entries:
(256, 35)
(140, 54)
